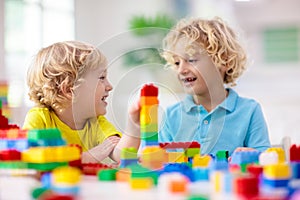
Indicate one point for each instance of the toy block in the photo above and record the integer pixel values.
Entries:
(107, 175)
(173, 182)
(178, 186)
(59, 194)
(191, 152)
(147, 143)
(279, 151)
(255, 170)
(13, 165)
(149, 100)
(141, 183)
(268, 158)
(10, 155)
(66, 176)
(179, 145)
(150, 136)
(201, 174)
(45, 134)
(18, 144)
(65, 190)
(36, 193)
(129, 153)
(123, 175)
(273, 183)
(295, 169)
(93, 168)
(138, 171)
(295, 153)
(149, 115)
(222, 155)
(277, 171)
(149, 128)
(153, 153)
(201, 161)
(245, 157)
(182, 168)
(216, 178)
(149, 90)
(198, 197)
(48, 142)
(246, 186)
(218, 165)
(176, 157)
(46, 166)
(126, 162)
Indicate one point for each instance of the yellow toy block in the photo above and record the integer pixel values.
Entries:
(153, 153)
(216, 181)
(277, 171)
(201, 161)
(129, 153)
(148, 100)
(176, 157)
(279, 151)
(149, 115)
(141, 183)
(67, 153)
(149, 128)
(66, 176)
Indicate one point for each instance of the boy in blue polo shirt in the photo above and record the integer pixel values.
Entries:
(208, 59)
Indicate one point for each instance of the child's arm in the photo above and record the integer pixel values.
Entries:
(100, 152)
(131, 136)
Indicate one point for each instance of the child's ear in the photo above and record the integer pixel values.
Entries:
(66, 90)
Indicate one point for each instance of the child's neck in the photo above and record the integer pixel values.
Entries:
(211, 100)
(67, 117)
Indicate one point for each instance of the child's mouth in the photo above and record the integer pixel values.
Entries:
(189, 79)
(104, 98)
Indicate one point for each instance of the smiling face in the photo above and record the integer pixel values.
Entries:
(90, 97)
(195, 69)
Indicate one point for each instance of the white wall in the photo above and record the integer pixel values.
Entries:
(2, 68)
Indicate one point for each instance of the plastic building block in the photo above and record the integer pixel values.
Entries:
(201, 161)
(246, 186)
(148, 100)
(182, 168)
(278, 171)
(147, 143)
(150, 136)
(295, 168)
(255, 170)
(268, 158)
(218, 165)
(295, 153)
(191, 152)
(245, 157)
(123, 175)
(179, 145)
(149, 90)
(149, 128)
(126, 162)
(173, 182)
(149, 114)
(141, 183)
(37, 192)
(279, 151)
(129, 153)
(153, 157)
(107, 175)
(273, 183)
(201, 174)
(93, 168)
(66, 176)
(222, 155)
(176, 157)
(138, 171)
(10, 155)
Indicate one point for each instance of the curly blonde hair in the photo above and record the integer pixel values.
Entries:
(216, 38)
(62, 63)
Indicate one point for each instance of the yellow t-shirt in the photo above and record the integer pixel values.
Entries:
(95, 131)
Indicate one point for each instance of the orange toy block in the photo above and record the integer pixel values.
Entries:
(148, 100)
(123, 175)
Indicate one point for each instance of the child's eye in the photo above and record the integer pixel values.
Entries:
(192, 60)
(177, 63)
(102, 77)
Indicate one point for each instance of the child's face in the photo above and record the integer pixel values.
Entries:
(90, 97)
(196, 72)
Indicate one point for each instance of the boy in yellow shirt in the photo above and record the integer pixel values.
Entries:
(68, 82)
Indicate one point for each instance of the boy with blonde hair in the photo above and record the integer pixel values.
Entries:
(68, 82)
(206, 56)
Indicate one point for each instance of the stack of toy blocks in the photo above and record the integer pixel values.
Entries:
(3, 98)
(149, 115)
(48, 150)
(128, 157)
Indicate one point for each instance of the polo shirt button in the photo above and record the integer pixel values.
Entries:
(205, 122)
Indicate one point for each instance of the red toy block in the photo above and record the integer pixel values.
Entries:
(179, 145)
(247, 186)
(149, 90)
(295, 153)
(93, 168)
(10, 155)
(255, 170)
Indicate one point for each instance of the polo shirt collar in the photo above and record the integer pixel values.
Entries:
(228, 104)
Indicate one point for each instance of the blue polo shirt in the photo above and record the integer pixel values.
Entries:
(236, 122)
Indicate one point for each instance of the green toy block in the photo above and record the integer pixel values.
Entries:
(149, 128)
(44, 134)
(198, 197)
(149, 136)
(107, 175)
(137, 171)
(222, 155)
(13, 165)
(46, 166)
(0, 104)
(37, 192)
(129, 153)
(191, 152)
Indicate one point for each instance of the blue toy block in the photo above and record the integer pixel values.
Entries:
(201, 174)
(182, 168)
(66, 190)
(18, 144)
(145, 143)
(295, 168)
(273, 183)
(245, 157)
(126, 162)
(218, 165)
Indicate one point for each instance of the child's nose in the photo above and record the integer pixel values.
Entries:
(108, 87)
(183, 67)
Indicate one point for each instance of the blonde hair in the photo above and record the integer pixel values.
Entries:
(216, 38)
(60, 64)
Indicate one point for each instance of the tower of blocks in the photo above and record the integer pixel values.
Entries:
(149, 115)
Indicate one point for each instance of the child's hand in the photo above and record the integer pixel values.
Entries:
(133, 123)
(100, 152)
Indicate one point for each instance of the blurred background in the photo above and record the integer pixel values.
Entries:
(269, 30)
